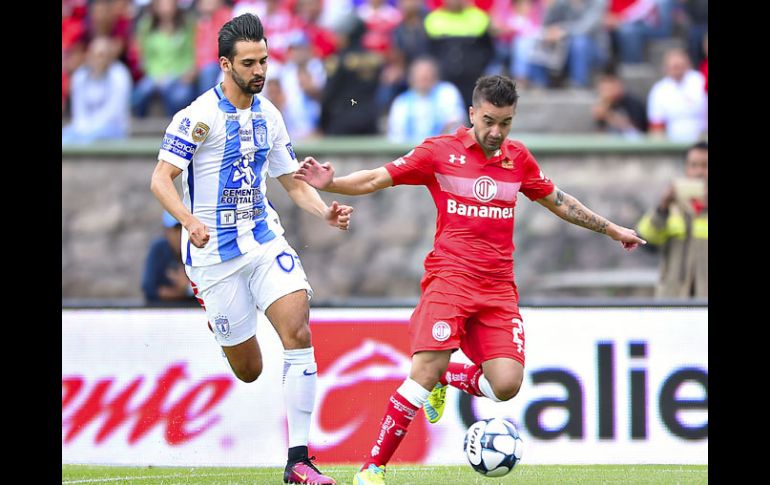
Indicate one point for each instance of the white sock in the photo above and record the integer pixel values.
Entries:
(300, 375)
(413, 392)
(486, 388)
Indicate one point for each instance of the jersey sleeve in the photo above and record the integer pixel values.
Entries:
(414, 168)
(182, 138)
(281, 159)
(535, 185)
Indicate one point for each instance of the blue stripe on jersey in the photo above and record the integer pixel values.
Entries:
(177, 146)
(260, 136)
(227, 235)
(191, 188)
(261, 232)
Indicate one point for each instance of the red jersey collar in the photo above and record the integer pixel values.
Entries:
(468, 140)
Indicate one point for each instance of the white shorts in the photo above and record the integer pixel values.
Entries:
(232, 291)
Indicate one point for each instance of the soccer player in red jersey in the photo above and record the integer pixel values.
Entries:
(469, 298)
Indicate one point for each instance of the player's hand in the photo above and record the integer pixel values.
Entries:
(339, 216)
(199, 233)
(627, 237)
(315, 174)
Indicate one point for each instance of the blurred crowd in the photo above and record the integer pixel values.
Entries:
(402, 68)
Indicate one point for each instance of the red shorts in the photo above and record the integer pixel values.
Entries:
(479, 316)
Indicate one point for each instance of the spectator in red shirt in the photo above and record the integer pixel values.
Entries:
(630, 23)
(73, 41)
(324, 41)
(485, 5)
(380, 19)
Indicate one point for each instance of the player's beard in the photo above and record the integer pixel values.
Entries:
(248, 87)
(486, 143)
(489, 145)
(492, 146)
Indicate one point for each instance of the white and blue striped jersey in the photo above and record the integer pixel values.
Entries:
(225, 155)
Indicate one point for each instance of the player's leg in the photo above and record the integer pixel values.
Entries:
(466, 289)
(281, 289)
(245, 359)
(427, 367)
(434, 331)
(462, 376)
(231, 313)
(501, 379)
(493, 336)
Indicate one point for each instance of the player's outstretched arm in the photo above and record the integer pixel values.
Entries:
(307, 198)
(321, 176)
(572, 210)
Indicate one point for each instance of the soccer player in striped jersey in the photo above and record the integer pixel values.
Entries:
(224, 145)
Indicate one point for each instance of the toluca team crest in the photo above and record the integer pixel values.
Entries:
(222, 325)
(441, 331)
(484, 189)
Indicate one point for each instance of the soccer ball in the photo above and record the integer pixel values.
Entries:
(493, 447)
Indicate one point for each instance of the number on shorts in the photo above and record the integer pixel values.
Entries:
(518, 329)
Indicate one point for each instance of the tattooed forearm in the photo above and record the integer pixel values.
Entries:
(577, 213)
(559, 198)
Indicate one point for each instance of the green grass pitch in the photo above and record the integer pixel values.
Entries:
(397, 475)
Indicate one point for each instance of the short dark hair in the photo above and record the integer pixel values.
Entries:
(701, 145)
(498, 90)
(243, 27)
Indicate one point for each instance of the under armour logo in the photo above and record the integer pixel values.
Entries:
(454, 157)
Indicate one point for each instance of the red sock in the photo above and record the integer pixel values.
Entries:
(464, 377)
(397, 418)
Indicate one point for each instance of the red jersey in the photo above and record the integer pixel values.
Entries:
(475, 199)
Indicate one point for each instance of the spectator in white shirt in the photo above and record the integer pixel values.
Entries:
(101, 93)
(676, 105)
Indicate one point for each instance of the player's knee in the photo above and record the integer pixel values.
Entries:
(248, 373)
(507, 388)
(427, 376)
(298, 337)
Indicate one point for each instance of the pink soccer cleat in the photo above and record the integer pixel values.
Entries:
(304, 472)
